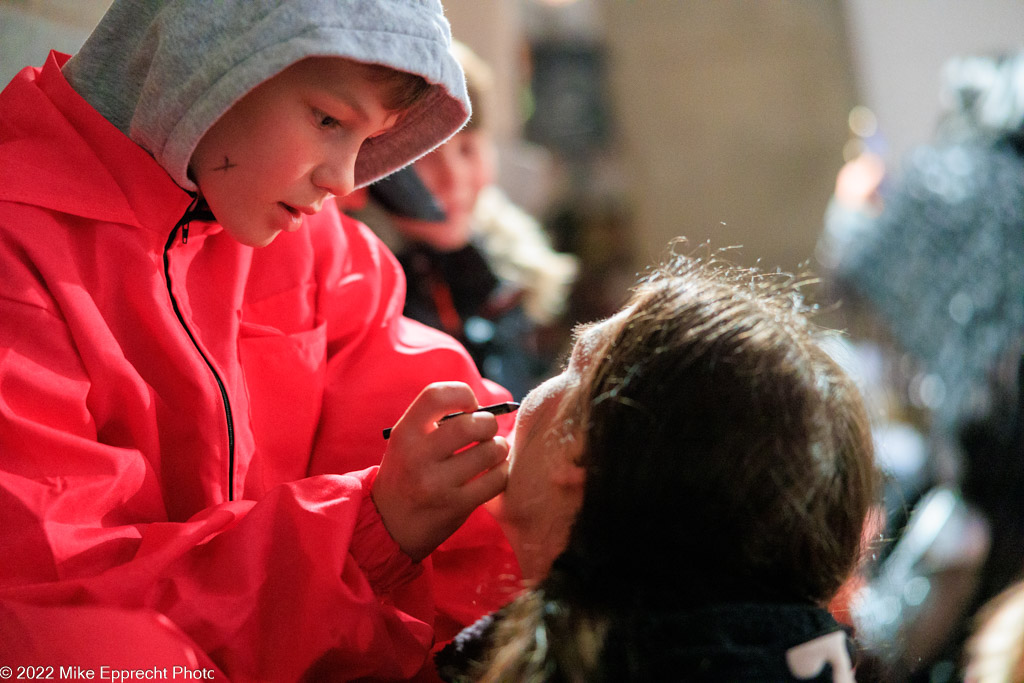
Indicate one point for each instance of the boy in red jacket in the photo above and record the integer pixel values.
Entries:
(198, 352)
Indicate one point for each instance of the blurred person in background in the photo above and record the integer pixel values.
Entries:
(935, 258)
(477, 266)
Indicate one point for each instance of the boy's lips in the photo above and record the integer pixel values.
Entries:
(308, 210)
(294, 216)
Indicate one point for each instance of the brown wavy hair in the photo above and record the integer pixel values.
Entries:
(729, 459)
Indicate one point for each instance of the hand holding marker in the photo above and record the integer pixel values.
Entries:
(496, 409)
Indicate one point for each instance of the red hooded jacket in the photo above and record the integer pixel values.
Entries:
(189, 429)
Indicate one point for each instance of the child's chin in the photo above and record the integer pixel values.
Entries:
(258, 240)
(259, 243)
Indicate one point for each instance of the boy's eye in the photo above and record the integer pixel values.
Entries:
(325, 120)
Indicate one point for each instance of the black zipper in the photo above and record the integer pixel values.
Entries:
(220, 383)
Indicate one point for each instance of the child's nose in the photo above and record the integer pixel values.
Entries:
(337, 175)
(446, 176)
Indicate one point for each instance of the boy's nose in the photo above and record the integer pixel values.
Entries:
(437, 175)
(337, 175)
(446, 174)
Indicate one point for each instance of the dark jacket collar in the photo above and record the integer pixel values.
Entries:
(741, 642)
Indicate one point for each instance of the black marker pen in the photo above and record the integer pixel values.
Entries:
(496, 409)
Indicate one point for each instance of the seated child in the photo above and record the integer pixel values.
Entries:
(685, 498)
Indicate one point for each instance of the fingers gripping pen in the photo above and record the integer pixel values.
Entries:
(496, 409)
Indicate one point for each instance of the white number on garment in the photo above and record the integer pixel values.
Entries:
(807, 660)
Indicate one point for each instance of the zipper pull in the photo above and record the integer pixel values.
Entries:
(197, 211)
(187, 217)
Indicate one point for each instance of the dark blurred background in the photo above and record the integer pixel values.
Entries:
(624, 123)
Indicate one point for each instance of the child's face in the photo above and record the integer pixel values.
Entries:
(545, 483)
(455, 173)
(288, 145)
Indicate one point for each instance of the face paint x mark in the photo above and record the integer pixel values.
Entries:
(227, 165)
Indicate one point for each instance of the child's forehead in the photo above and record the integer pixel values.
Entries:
(332, 72)
(346, 81)
(595, 337)
(345, 78)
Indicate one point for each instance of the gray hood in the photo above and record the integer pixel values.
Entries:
(164, 71)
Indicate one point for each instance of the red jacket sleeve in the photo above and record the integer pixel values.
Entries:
(381, 361)
(306, 577)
